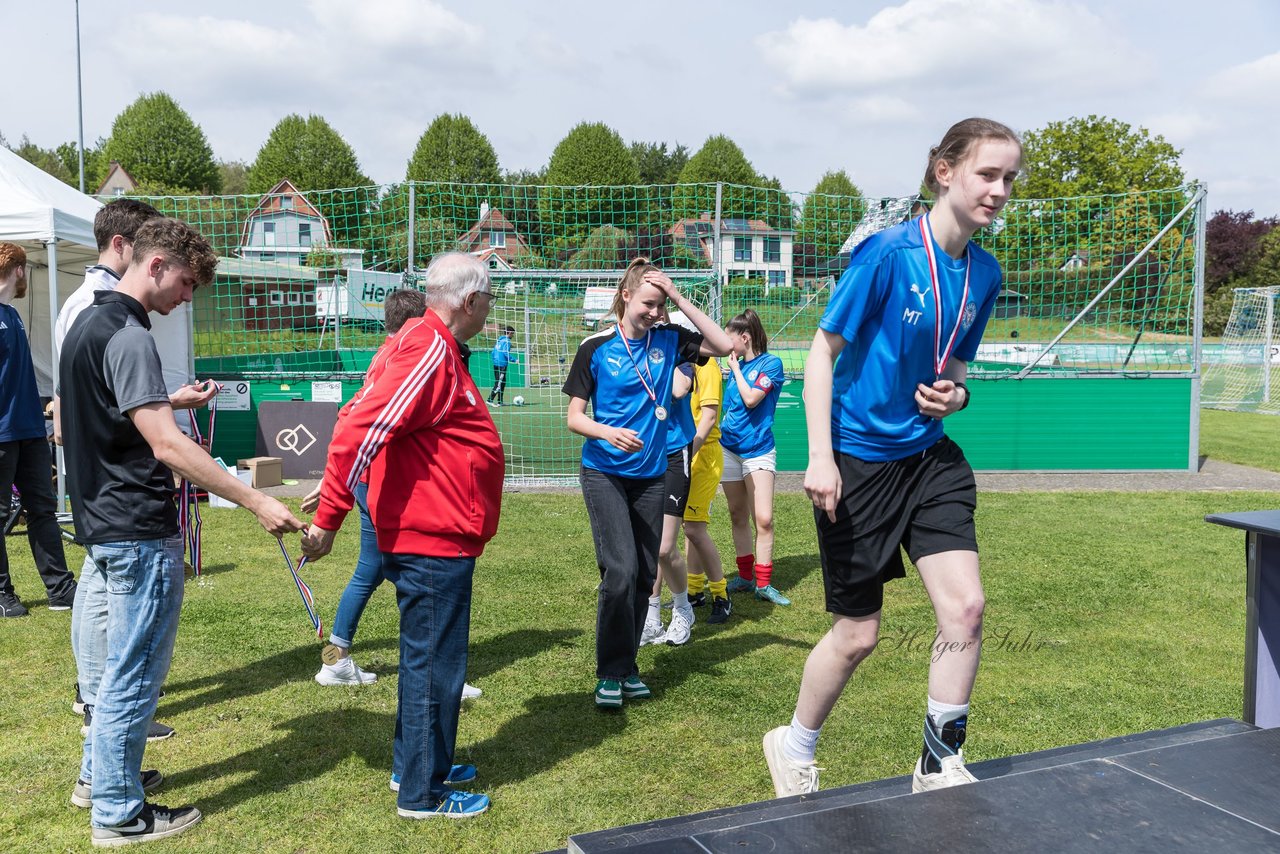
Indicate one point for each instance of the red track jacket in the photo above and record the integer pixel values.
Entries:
(434, 456)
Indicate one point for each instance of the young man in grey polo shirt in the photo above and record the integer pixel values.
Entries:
(122, 449)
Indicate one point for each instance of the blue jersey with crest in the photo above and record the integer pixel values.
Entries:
(611, 373)
(749, 432)
(682, 429)
(884, 308)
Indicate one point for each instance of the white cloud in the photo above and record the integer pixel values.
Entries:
(392, 24)
(1256, 82)
(1002, 45)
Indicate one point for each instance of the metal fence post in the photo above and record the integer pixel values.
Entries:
(715, 299)
(413, 214)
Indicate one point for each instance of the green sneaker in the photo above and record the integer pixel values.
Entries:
(771, 594)
(609, 694)
(634, 689)
(738, 584)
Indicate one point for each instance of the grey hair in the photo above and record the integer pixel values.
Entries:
(454, 276)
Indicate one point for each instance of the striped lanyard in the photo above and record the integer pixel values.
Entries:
(190, 524)
(658, 410)
(308, 601)
(941, 354)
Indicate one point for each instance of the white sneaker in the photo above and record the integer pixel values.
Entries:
(953, 773)
(470, 692)
(790, 776)
(681, 627)
(652, 632)
(345, 672)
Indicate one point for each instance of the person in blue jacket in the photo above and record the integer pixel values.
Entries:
(501, 359)
(625, 372)
(887, 364)
(751, 397)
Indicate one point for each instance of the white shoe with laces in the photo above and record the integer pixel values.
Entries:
(345, 672)
(953, 773)
(790, 776)
(681, 627)
(652, 632)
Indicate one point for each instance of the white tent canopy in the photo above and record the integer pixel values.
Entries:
(54, 224)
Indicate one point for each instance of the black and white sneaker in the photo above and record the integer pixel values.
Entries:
(63, 600)
(721, 608)
(156, 732)
(77, 705)
(82, 794)
(11, 607)
(152, 822)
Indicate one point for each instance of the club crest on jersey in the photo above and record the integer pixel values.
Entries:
(970, 315)
(751, 377)
(471, 398)
(656, 355)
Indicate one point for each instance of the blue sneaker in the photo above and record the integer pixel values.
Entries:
(771, 594)
(738, 584)
(608, 694)
(634, 689)
(454, 805)
(457, 774)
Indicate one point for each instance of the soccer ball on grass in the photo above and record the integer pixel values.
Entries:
(519, 400)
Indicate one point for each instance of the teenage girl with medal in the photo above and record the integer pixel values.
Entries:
(887, 365)
(750, 455)
(625, 372)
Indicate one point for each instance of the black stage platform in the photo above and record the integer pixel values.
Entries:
(1207, 787)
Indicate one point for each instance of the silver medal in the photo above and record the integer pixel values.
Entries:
(660, 412)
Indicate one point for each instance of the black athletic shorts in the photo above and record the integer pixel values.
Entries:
(677, 482)
(923, 504)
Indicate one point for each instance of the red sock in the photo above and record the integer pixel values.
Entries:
(764, 574)
(745, 563)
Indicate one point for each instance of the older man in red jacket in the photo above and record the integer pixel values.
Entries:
(435, 464)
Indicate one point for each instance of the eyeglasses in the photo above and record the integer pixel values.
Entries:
(490, 294)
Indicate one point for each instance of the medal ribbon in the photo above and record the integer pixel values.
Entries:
(308, 601)
(942, 355)
(648, 389)
(190, 524)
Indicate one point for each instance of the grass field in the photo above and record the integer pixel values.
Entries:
(1108, 614)
(1244, 438)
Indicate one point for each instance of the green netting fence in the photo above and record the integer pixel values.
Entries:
(1101, 286)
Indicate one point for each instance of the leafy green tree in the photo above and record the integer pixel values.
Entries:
(308, 152)
(830, 213)
(1095, 156)
(95, 166)
(746, 193)
(590, 181)
(235, 176)
(605, 248)
(45, 159)
(656, 164)
(452, 149)
(160, 145)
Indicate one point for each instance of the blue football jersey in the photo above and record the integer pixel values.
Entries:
(612, 374)
(749, 432)
(884, 308)
(682, 429)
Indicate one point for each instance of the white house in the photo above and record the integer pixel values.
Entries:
(284, 229)
(749, 248)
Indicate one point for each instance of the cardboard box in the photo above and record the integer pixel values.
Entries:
(266, 470)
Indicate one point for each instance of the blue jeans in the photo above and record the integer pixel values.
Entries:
(89, 630)
(143, 579)
(366, 578)
(434, 594)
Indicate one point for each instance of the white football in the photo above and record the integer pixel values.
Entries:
(519, 400)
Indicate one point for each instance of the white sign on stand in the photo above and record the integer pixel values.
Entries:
(233, 397)
(326, 392)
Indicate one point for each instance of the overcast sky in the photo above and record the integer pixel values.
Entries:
(804, 87)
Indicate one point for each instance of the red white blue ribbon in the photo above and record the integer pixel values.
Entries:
(190, 524)
(308, 601)
(941, 354)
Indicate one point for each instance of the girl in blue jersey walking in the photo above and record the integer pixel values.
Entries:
(750, 455)
(887, 365)
(625, 372)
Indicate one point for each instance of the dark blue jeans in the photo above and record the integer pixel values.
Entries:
(626, 526)
(434, 594)
(366, 578)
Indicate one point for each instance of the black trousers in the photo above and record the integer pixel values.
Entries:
(499, 383)
(28, 465)
(626, 526)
